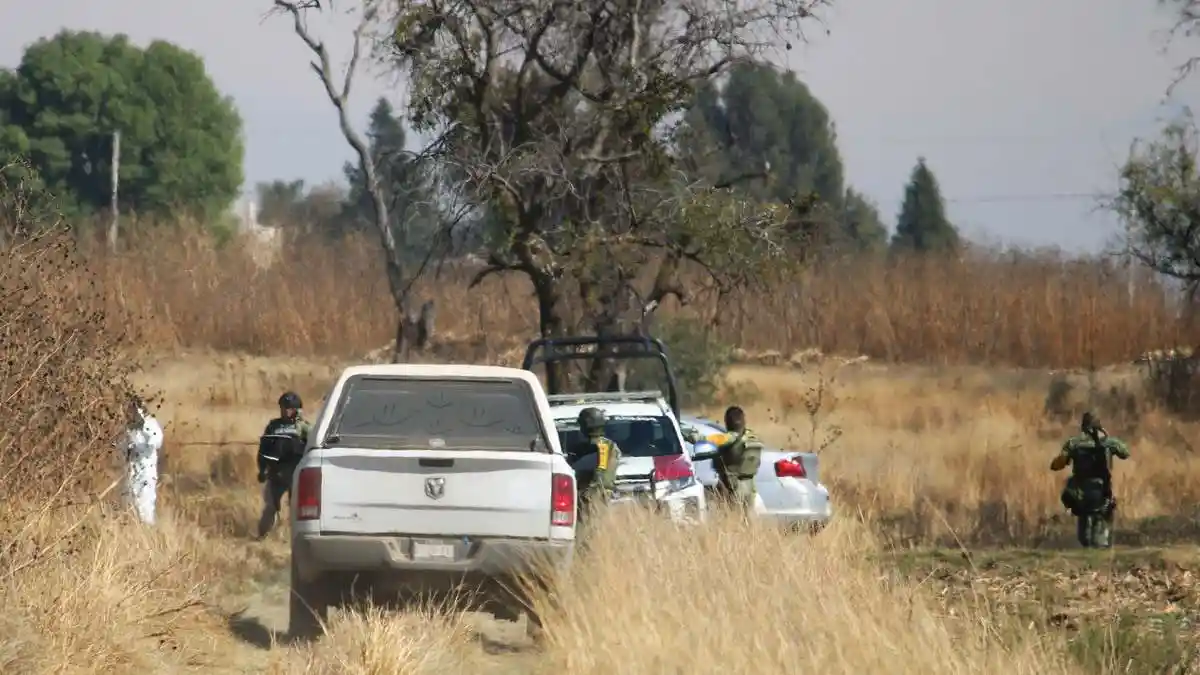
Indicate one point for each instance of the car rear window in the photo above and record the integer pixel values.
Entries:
(637, 436)
(394, 413)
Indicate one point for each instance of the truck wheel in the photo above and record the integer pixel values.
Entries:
(308, 606)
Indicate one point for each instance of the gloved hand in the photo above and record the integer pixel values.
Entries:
(262, 476)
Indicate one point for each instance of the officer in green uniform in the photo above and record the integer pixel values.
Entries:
(737, 461)
(1088, 493)
(594, 486)
(280, 449)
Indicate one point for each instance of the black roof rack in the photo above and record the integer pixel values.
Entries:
(591, 347)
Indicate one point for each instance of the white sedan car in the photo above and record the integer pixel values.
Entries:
(789, 483)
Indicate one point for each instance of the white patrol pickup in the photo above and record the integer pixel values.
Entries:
(644, 427)
(427, 476)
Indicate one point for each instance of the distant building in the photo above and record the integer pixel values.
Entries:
(264, 241)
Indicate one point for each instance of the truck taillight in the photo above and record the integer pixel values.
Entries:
(672, 467)
(562, 500)
(308, 494)
(790, 468)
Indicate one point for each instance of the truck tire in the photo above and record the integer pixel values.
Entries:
(534, 627)
(308, 606)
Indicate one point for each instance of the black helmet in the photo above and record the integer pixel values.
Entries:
(735, 418)
(290, 400)
(591, 420)
(1090, 423)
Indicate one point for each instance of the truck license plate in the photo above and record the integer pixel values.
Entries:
(432, 551)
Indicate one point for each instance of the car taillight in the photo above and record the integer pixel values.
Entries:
(562, 500)
(308, 494)
(672, 467)
(790, 468)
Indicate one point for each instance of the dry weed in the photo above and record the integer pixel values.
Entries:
(116, 598)
(955, 456)
(64, 372)
(734, 598)
(986, 307)
(375, 642)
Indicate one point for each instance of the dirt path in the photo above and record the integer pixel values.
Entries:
(258, 625)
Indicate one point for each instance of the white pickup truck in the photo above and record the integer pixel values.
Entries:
(424, 477)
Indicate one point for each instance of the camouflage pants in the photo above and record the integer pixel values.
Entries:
(273, 491)
(592, 499)
(740, 494)
(1094, 530)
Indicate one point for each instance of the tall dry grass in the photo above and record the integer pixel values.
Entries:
(653, 598)
(88, 590)
(954, 456)
(1033, 309)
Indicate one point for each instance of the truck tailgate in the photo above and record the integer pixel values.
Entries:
(436, 492)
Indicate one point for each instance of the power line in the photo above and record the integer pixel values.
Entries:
(1033, 197)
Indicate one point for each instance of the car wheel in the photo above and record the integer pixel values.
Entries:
(308, 606)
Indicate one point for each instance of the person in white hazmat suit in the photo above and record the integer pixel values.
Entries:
(143, 440)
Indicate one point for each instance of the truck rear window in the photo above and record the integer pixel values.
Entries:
(401, 413)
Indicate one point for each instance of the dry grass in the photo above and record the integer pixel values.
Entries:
(374, 642)
(960, 456)
(331, 299)
(652, 598)
(933, 455)
(912, 435)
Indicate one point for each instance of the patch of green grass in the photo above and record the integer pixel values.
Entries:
(1040, 560)
(1132, 645)
(1127, 610)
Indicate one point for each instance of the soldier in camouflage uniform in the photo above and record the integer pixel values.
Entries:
(594, 486)
(276, 476)
(737, 461)
(1088, 492)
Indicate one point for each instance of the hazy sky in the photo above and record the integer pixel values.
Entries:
(1019, 106)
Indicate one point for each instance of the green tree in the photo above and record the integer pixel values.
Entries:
(402, 178)
(861, 222)
(767, 132)
(293, 204)
(922, 224)
(558, 121)
(181, 146)
(1159, 200)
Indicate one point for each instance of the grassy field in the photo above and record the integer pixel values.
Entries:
(984, 308)
(950, 553)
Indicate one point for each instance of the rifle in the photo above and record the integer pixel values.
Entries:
(1094, 434)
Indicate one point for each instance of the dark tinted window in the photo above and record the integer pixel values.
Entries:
(650, 436)
(391, 412)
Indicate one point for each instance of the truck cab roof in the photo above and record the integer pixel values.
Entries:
(440, 370)
(619, 403)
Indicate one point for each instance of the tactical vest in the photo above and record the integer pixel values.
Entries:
(285, 439)
(1090, 462)
(605, 473)
(740, 459)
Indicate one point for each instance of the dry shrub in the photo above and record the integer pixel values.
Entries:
(375, 642)
(331, 298)
(652, 598)
(63, 372)
(119, 598)
(960, 456)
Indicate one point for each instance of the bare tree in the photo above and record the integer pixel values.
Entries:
(1186, 25)
(401, 277)
(562, 115)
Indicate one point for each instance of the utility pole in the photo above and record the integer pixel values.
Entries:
(116, 181)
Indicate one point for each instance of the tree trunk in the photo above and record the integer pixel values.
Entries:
(552, 322)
